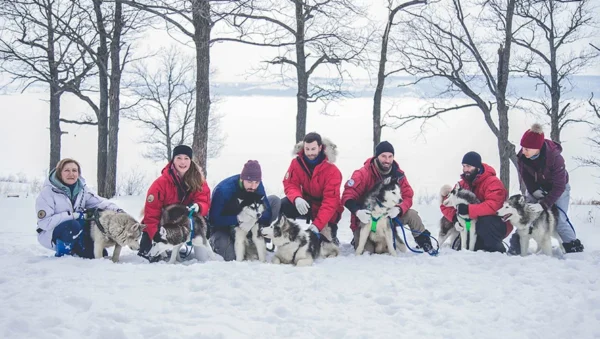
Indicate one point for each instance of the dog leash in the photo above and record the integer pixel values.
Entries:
(566, 216)
(397, 220)
(188, 245)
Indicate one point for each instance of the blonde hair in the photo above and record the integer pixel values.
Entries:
(61, 165)
(194, 178)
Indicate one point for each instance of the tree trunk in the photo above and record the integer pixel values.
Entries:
(55, 94)
(114, 102)
(102, 62)
(302, 93)
(55, 132)
(202, 27)
(380, 83)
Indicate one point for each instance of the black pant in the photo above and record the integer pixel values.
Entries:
(491, 230)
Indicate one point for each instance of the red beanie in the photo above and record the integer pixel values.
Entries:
(251, 171)
(533, 138)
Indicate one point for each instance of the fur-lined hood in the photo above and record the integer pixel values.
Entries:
(329, 148)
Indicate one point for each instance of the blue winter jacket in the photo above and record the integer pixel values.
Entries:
(225, 205)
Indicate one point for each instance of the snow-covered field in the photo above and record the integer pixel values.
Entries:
(455, 295)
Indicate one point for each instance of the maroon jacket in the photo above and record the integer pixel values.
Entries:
(547, 172)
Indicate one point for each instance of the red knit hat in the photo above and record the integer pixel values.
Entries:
(251, 171)
(533, 138)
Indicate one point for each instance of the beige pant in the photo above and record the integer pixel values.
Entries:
(410, 218)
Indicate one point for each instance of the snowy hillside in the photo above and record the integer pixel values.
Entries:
(455, 295)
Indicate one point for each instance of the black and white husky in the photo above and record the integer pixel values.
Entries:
(531, 221)
(109, 228)
(451, 197)
(297, 246)
(383, 197)
(250, 245)
(174, 231)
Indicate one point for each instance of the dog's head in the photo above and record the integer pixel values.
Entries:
(252, 205)
(132, 236)
(281, 231)
(457, 195)
(389, 193)
(513, 208)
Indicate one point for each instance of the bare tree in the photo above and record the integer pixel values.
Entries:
(393, 8)
(109, 23)
(551, 31)
(165, 107)
(132, 183)
(34, 49)
(592, 160)
(195, 20)
(453, 46)
(308, 35)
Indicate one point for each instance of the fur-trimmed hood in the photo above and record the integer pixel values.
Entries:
(329, 148)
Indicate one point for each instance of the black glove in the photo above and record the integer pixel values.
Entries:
(424, 241)
(145, 246)
(463, 209)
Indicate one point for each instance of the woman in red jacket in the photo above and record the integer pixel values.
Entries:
(181, 182)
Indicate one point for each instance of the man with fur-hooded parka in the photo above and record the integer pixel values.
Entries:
(312, 184)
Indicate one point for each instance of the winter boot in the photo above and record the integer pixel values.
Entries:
(424, 242)
(63, 248)
(573, 246)
(514, 245)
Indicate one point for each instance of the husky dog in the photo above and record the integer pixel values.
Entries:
(174, 230)
(296, 246)
(250, 245)
(531, 221)
(452, 198)
(109, 228)
(379, 201)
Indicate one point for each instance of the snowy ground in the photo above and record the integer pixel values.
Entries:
(455, 295)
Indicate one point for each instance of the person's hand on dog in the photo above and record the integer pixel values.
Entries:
(364, 216)
(314, 229)
(394, 212)
(301, 205)
(194, 208)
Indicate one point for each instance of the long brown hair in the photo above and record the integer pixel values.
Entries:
(194, 178)
(61, 165)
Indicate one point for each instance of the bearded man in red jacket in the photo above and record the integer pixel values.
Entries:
(481, 179)
(312, 186)
(375, 170)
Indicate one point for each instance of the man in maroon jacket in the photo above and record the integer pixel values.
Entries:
(375, 170)
(312, 186)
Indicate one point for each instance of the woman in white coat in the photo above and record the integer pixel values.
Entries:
(60, 210)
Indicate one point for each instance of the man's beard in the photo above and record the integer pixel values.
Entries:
(470, 176)
(383, 167)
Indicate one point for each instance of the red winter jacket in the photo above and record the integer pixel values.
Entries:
(321, 189)
(365, 178)
(163, 191)
(488, 189)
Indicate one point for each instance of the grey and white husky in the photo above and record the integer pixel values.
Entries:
(297, 246)
(174, 231)
(250, 245)
(531, 221)
(383, 197)
(109, 228)
(452, 197)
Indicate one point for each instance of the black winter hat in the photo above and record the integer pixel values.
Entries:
(383, 147)
(473, 159)
(182, 149)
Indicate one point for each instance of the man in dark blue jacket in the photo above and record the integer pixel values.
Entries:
(225, 207)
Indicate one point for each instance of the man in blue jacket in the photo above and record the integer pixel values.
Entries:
(225, 207)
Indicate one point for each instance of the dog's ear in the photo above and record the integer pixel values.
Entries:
(521, 200)
(142, 226)
(163, 233)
